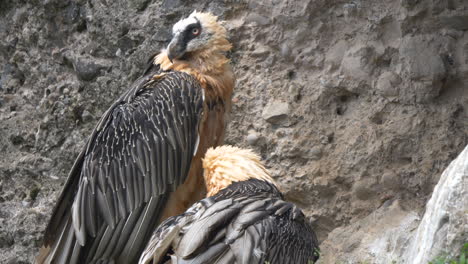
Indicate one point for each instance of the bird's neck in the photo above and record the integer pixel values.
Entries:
(223, 174)
(211, 69)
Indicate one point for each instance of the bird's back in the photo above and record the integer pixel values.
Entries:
(247, 222)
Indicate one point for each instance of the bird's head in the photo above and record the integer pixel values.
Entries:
(198, 33)
(227, 164)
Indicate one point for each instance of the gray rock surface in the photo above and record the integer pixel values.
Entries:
(393, 234)
(276, 112)
(380, 238)
(444, 226)
(252, 137)
(376, 94)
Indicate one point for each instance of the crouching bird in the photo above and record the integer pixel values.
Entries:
(142, 162)
(245, 221)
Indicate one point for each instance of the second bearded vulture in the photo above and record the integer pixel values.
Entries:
(142, 162)
(245, 221)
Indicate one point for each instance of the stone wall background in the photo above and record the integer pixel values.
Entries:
(356, 106)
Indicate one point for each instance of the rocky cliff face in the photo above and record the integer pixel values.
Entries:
(356, 106)
(394, 234)
(445, 222)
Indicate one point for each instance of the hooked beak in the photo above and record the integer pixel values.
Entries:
(176, 48)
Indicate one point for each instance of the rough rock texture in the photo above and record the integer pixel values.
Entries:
(382, 237)
(392, 234)
(375, 92)
(444, 227)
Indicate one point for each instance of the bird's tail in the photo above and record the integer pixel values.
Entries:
(64, 249)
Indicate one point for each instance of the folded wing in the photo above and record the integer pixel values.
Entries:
(139, 153)
(248, 222)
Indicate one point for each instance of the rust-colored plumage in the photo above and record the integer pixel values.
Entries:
(209, 64)
(211, 68)
(142, 162)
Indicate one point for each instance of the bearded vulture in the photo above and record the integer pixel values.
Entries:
(142, 163)
(245, 221)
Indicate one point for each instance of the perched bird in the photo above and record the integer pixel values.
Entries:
(246, 221)
(142, 162)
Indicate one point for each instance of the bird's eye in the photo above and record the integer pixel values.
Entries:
(195, 31)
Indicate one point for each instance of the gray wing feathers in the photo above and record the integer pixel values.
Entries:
(246, 248)
(140, 151)
(168, 233)
(204, 230)
(213, 252)
(244, 227)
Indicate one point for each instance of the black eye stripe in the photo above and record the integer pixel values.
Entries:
(188, 35)
(189, 28)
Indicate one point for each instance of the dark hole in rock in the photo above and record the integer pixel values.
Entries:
(82, 26)
(16, 139)
(340, 110)
(377, 119)
(344, 98)
(406, 160)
